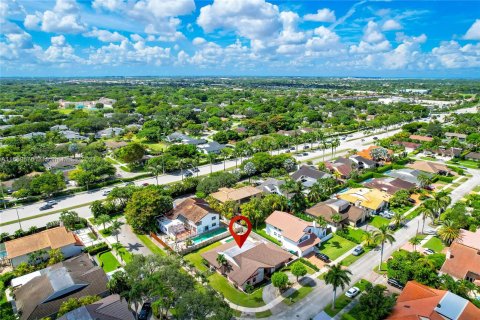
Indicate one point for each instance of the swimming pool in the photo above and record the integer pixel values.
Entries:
(207, 235)
(343, 190)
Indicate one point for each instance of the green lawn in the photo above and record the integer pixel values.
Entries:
(383, 269)
(401, 210)
(261, 231)
(413, 214)
(428, 158)
(150, 244)
(263, 314)
(336, 246)
(435, 244)
(221, 284)
(351, 259)
(92, 236)
(342, 301)
(466, 163)
(125, 254)
(106, 232)
(108, 261)
(298, 295)
(378, 221)
(5, 306)
(357, 233)
(196, 259)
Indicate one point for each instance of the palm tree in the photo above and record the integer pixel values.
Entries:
(115, 228)
(440, 201)
(155, 168)
(426, 210)
(226, 152)
(424, 180)
(337, 218)
(321, 222)
(415, 241)
(398, 219)
(369, 239)
(102, 219)
(222, 261)
(449, 231)
(211, 157)
(288, 187)
(382, 235)
(315, 194)
(337, 277)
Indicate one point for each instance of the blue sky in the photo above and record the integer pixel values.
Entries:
(239, 37)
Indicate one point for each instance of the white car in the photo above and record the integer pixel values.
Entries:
(428, 251)
(352, 292)
(106, 192)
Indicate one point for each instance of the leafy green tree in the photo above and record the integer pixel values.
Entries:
(97, 208)
(298, 269)
(337, 277)
(144, 206)
(47, 183)
(375, 303)
(279, 280)
(99, 167)
(75, 303)
(55, 256)
(131, 153)
(102, 219)
(216, 181)
(400, 199)
(83, 178)
(70, 219)
(449, 231)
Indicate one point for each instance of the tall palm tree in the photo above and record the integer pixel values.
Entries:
(337, 277)
(155, 168)
(440, 201)
(415, 241)
(398, 219)
(316, 193)
(449, 231)
(382, 235)
(424, 180)
(115, 227)
(427, 211)
(369, 239)
(211, 157)
(222, 261)
(288, 187)
(102, 219)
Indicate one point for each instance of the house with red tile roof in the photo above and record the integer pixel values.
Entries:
(420, 138)
(419, 302)
(295, 234)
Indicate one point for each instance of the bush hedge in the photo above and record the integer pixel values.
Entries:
(97, 248)
(308, 263)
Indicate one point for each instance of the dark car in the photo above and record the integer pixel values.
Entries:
(322, 257)
(305, 153)
(46, 206)
(145, 311)
(145, 184)
(375, 138)
(395, 283)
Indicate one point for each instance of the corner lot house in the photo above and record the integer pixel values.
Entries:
(239, 195)
(191, 217)
(55, 238)
(308, 175)
(43, 295)
(463, 257)
(350, 214)
(297, 236)
(250, 264)
(430, 167)
(372, 200)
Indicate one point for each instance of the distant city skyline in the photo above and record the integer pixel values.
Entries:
(390, 39)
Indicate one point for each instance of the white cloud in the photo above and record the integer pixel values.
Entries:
(64, 18)
(371, 33)
(105, 35)
(198, 41)
(366, 47)
(452, 55)
(59, 53)
(473, 33)
(390, 25)
(323, 40)
(322, 15)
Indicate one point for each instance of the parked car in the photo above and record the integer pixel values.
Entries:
(129, 183)
(188, 173)
(52, 202)
(46, 206)
(352, 292)
(428, 251)
(306, 147)
(145, 184)
(322, 257)
(305, 153)
(106, 192)
(429, 188)
(375, 138)
(411, 200)
(395, 283)
(357, 251)
(292, 148)
(195, 170)
(344, 138)
(145, 311)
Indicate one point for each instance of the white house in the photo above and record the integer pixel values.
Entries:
(191, 217)
(18, 250)
(296, 235)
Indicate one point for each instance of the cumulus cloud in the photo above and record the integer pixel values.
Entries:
(473, 33)
(390, 25)
(105, 35)
(64, 18)
(371, 33)
(450, 54)
(198, 41)
(322, 15)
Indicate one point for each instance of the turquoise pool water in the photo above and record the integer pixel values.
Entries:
(208, 235)
(344, 190)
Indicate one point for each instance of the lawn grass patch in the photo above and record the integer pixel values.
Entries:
(92, 236)
(435, 244)
(351, 259)
(108, 261)
(466, 163)
(221, 284)
(196, 259)
(342, 301)
(476, 189)
(124, 254)
(378, 221)
(352, 234)
(413, 214)
(383, 268)
(260, 230)
(336, 246)
(402, 209)
(263, 314)
(298, 295)
(151, 245)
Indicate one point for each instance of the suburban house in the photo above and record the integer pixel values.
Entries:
(420, 138)
(211, 147)
(341, 167)
(390, 185)
(59, 127)
(363, 163)
(191, 217)
(409, 175)
(114, 145)
(72, 135)
(454, 135)
(463, 257)
(61, 164)
(430, 167)
(109, 133)
(178, 137)
(372, 200)
(367, 153)
(112, 307)
(475, 156)
(309, 175)
(349, 213)
(43, 295)
(239, 195)
(272, 185)
(55, 238)
(250, 264)
(409, 146)
(417, 301)
(296, 235)
(447, 152)
(33, 135)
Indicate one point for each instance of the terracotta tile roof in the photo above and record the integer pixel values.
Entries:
(193, 209)
(406, 144)
(243, 263)
(365, 153)
(229, 194)
(418, 301)
(368, 198)
(292, 227)
(330, 207)
(427, 166)
(420, 138)
(463, 256)
(49, 239)
(390, 185)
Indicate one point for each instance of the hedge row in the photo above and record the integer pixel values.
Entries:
(445, 179)
(308, 263)
(97, 248)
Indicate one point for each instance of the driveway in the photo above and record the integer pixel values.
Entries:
(131, 242)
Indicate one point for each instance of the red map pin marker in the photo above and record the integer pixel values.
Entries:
(240, 238)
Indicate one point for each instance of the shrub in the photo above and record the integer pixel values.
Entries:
(97, 248)
(308, 263)
(445, 179)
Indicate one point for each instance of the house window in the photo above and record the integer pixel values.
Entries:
(214, 224)
(214, 217)
(274, 233)
(199, 223)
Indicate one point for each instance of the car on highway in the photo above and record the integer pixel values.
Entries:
(129, 183)
(145, 311)
(106, 192)
(357, 251)
(188, 173)
(428, 251)
(195, 170)
(395, 283)
(322, 256)
(52, 202)
(375, 138)
(145, 184)
(305, 153)
(46, 206)
(352, 292)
